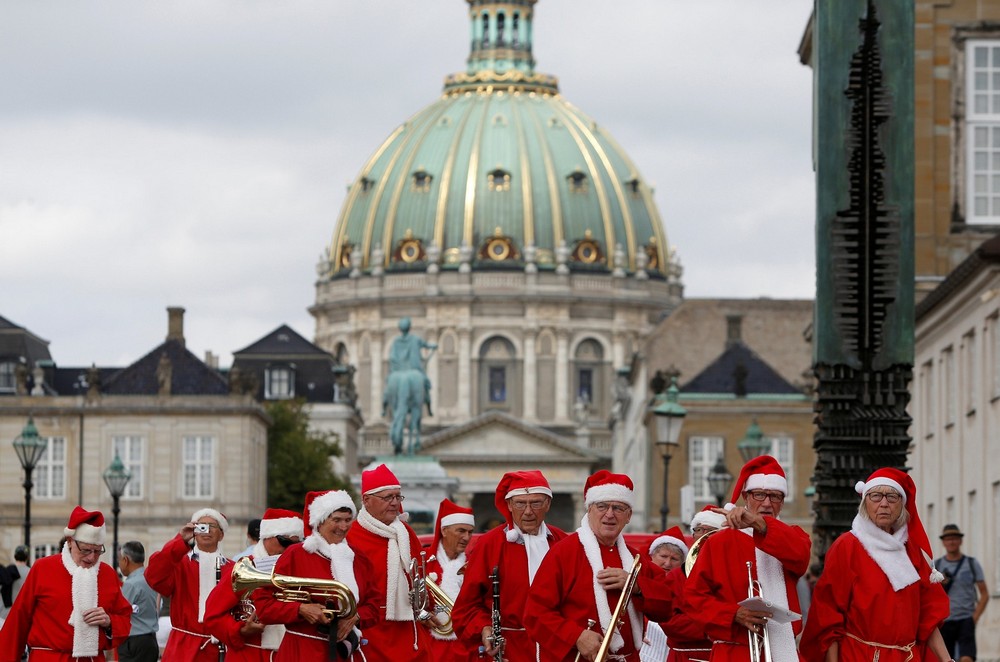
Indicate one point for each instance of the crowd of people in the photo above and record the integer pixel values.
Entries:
(343, 582)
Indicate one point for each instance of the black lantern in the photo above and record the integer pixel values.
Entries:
(669, 420)
(29, 448)
(753, 444)
(719, 480)
(116, 477)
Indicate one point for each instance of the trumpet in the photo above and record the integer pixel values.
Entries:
(336, 597)
(760, 644)
(421, 586)
(616, 617)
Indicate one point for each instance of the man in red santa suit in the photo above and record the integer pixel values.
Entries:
(186, 570)
(250, 640)
(390, 545)
(452, 533)
(70, 606)
(777, 554)
(516, 549)
(323, 555)
(581, 580)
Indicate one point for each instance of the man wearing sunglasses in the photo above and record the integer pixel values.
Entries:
(70, 606)
(249, 640)
(777, 554)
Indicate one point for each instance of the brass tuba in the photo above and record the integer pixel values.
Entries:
(247, 578)
(692, 555)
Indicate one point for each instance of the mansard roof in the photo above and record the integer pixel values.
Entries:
(189, 375)
(739, 371)
(283, 341)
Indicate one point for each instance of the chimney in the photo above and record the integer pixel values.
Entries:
(211, 360)
(734, 330)
(175, 324)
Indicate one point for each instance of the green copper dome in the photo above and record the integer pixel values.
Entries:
(499, 172)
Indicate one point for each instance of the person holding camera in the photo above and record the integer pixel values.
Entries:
(186, 570)
(963, 577)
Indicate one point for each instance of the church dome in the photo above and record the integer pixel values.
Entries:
(500, 171)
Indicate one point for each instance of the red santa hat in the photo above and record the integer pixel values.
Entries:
(320, 505)
(902, 483)
(278, 522)
(86, 526)
(606, 486)
(378, 479)
(514, 483)
(708, 517)
(672, 536)
(760, 473)
(219, 518)
(450, 513)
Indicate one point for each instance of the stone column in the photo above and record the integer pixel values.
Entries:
(432, 370)
(464, 373)
(530, 377)
(562, 375)
(377, 385)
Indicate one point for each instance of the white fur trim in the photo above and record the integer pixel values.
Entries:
(397, 599)
(207, 571)
(86, 638)
(535, 546)
(528, 490)
(219, 518)
(325, 504)
(708, 518)
(382, 488)
(610, 492)
(936, 577)
(341, 557)
(668, 540)
(887, 550)
(86, 533)
(863, 488)
(771, 575)
(458, 518)
(766, 482)
(282, 526)
(592, 550)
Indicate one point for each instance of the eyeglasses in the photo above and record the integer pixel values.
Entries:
(616, 508)
(760, 495)
(391, 498)
(85, 552)
(702, 529)
(890, 497)
(524, 505)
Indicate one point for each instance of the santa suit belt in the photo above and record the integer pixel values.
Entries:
(308, 636)
(908, 648)
(209, 639)
(41, 649)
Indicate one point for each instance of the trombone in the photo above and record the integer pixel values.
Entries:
(760, 644)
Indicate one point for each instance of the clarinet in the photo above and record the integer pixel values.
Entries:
(219, 562)
(497, 639)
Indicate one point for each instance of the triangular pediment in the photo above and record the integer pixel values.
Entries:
(498, 435)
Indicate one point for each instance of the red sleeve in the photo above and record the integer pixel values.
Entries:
(270, 610)
(681, 626)
(934, 605)
(14, 633)
(543, 613)
(368, 611)
(704, 592)
(118, 608)
(831, 598)
(219, 619)
(161, 570)
(472, 611)
(656, 599)
(789, 544)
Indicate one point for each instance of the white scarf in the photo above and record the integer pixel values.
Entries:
(771, 577)
(86, 638)
(207, 570)
(272, 635)
(592, 549)
(341, 560)
(888, 550)
(450, 582)
(536, 546)
(397, 588)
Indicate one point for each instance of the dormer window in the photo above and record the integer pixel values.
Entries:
(499, 120)
(577, 181)
(279, 383)
(366, 184)
(499, 180)
(422, 181)
(633, 185)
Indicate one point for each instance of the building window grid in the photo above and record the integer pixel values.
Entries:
(993, 346)
(929, 402)
(704, 452)
(8, 377)
(132, 452)
(498, 384)
(783, 450)
(983, 117)
(278, 383)
(50, 473)
(950, 386)
(199, 467)
(971, 379)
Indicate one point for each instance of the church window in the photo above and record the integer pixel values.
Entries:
(704, 452)
(499, 179)
(498, 384)
(577, 181)
(588, 371)
(279, 383)
(982, 97)
(131, 450)
(486, 30)
(50, 472)
(498, 376)
(585, 385)
(8, 380)
(633, 186)
(499, 120)
(198, 467)
(515, 26)
(422, 181)
(501, 20)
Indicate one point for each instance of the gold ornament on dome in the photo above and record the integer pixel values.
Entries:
(345, 254)
(587, 250)
(498, 248)
(409, 249)
(652, 253)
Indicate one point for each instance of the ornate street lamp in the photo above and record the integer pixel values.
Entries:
(669, 419)
(29, 448)
(753, 444)
(116, 477)
(719, 481)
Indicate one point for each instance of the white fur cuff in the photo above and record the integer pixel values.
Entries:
(458, 518)
(766, 482)
(612, 492)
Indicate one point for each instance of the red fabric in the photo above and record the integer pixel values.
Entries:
(171, 573)
(474, 606)
(379, 478)
(682, 631)
(719, 580)
(388, 640)
(763, 465)
(297, 562)
(220, 622)
(854, 595)
(449, 650)
(562, 599)
(80, 516)
(40, 614)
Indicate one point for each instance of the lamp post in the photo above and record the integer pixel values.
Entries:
(719, 480)
(116, 477)
(669, 419)
(29, 448)
(753, 444)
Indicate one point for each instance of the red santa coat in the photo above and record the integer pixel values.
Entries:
(220, 622)
(474, 607)
(40, 615)
(172, 573)
(685, 636)
(449, 649)
(853, 595)
(719, 581)
(387, 640)
(562, 599)
(303, 641)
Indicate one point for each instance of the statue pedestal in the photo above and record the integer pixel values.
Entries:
(424, 484)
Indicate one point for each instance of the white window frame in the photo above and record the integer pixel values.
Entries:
(198, 467)
(49, 476)
(970, 364)
(983, 132)
(280, 389)
(703, 451)
(783, 450)
(131, 449)
(8, 376)
(992, 348)
(930, 401)
(950, 386)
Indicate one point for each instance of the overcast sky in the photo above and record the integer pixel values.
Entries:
(197, 152)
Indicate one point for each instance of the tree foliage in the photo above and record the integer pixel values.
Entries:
(298, 460)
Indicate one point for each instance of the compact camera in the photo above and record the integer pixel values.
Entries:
(201, 528)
